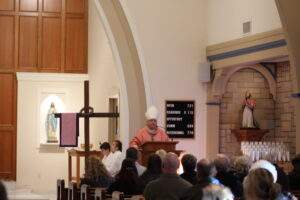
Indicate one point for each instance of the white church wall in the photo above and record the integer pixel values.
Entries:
(39, 166)
(225, 17)
(104, 82)
(171, 37)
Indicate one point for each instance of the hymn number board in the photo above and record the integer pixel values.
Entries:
(180, 119)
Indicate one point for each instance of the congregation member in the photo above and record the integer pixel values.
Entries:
(116, 150)
(133, 154)
(282, 177)
(205, 173)
(263, 179)
(260, 185)
(189, 174)
(241, 166)
(294, 176)
(216, 192)
(154, 169)
(3, 193)
(127, 180)
(227, 177)
(150, 132)
(107, 155)
(169, 186)
(97, 175)
(161, 153)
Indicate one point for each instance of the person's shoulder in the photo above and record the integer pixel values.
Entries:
(118, 153)
(137, 164)
(161, 131)
(110, 155)
(193, 193)
(141, 131)
(182, 175)
(155, 182)
(184, 182)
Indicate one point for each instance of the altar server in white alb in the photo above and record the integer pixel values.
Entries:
(150, 132)
(112, 159)
(116, 149)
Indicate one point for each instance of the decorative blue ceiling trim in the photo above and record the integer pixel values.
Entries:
(247, 50)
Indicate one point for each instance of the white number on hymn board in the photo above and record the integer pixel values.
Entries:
(190, 126)
(188, 112)
(190, 105)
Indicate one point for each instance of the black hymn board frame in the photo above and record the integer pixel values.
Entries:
(180, 118)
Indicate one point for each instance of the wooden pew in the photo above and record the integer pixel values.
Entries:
(85, 193)
(100, 194)
(122, 196)
(62, 192)
(73, 192)
(88, 193)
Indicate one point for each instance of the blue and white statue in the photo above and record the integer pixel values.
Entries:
(51, 125)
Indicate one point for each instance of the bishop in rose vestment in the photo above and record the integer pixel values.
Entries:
(150, 132)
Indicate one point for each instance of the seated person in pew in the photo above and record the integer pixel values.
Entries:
(133, 154)
(127, 180)
(97, 175)
(294, 175)
(161, 153)
(3, 193)
(169, 185)
(153, 170)
(107, 155)
(116, 151)
(189, 174)
(150, 132)
(226, 176)
(112, 156)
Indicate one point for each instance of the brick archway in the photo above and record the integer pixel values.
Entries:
(223, 76)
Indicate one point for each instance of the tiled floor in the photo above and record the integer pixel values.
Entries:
(15, 193)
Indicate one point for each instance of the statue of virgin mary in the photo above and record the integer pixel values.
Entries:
(248, 119)
(51, 124)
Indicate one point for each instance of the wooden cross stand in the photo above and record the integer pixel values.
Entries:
(87, 112)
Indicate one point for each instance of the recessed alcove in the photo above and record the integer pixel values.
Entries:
(231, 110)
(274, 105)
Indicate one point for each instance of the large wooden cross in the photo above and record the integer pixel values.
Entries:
(87, 112)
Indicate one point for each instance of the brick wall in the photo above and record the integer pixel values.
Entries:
(285, 129)
(231, 107)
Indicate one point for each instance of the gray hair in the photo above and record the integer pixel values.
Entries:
(216, 192)
(171, 163)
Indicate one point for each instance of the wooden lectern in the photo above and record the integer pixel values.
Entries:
(151, 147)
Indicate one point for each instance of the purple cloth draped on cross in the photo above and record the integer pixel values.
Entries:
(69, 125)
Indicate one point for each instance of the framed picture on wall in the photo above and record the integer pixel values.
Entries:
(180, 118)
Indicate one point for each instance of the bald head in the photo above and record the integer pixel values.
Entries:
(170, 163)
